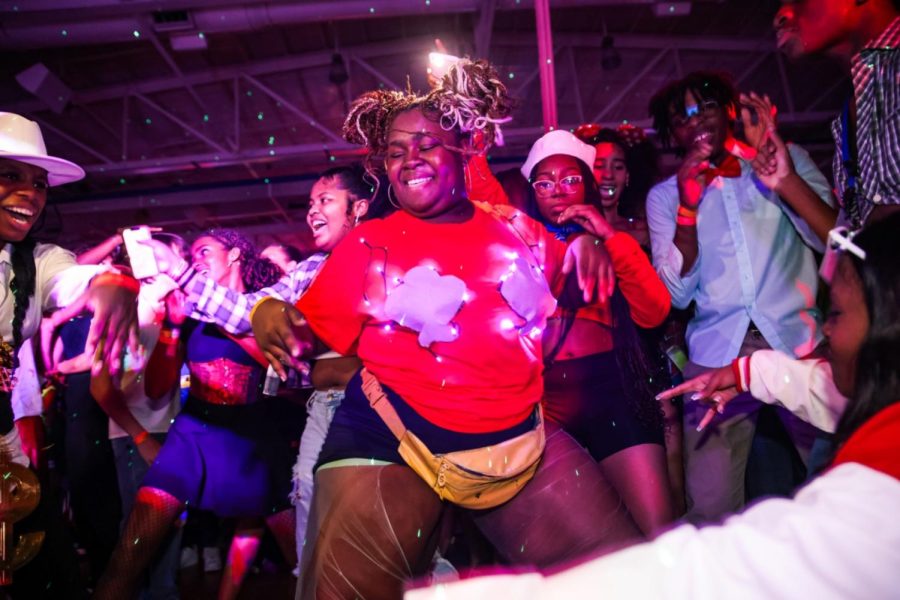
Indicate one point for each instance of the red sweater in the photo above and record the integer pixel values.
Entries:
(488, 377)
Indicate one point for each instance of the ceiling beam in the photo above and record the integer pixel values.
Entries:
(181, 123)
(219, 74)
(404, 47)
(307, 118)
(376, 73)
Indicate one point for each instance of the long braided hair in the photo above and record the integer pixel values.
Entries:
(22, 286)
(256, 272)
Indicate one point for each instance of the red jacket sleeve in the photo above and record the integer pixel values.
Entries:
(647, 296)
(481, 185)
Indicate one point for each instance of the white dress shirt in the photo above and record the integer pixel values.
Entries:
(755, 263)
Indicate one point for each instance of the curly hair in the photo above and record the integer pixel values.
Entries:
(641, 162)
(361, 185)
(470, 99)
(703, 85)
(256, 272)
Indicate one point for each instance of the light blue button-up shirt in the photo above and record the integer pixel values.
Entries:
(755, 264)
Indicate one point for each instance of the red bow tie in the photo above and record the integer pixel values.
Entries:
(730, 167)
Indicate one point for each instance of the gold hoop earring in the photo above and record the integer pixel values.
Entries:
(391, 199)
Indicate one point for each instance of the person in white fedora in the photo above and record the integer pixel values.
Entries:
(30, 271)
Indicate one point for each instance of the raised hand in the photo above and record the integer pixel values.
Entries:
(114, 327)
(691, 180)
(282, 335)
(765, 113)
(167, 261)
(773, 164)
(594, 268)
(588, 217)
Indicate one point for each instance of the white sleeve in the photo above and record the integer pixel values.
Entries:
(839, 538)
(804, 387)
(61, 280)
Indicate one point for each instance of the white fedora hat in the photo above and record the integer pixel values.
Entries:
(558, 142)
(21, 140)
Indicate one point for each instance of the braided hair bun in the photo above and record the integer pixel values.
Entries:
(470, 99)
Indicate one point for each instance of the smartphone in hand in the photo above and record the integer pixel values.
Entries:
(143, 262)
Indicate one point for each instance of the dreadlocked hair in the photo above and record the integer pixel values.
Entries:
(256, 272)
(469, 99)
(22, 285)
(703, 85)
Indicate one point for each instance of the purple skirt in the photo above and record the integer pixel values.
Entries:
(233, 460)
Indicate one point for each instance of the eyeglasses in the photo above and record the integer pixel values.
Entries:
(840, 240)
(568, 185)
(702, 109)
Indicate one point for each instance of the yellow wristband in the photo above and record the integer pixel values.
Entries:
(258, 304)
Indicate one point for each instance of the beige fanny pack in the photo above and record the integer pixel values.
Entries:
(479, 478)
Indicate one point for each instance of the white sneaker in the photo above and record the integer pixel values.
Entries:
(212, 560)
(189, 557)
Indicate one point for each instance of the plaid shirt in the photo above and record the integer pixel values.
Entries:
(209, 301)
(876, 86)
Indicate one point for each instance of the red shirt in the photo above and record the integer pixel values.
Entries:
(488, 377)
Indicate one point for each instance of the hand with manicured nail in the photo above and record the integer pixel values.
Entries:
(716, 387)
(282, 334)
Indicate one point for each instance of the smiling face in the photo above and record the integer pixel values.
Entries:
(330, 213)
(847, 325)
(214, 260)
(610, 172)
(426, 176)
(560, 171)
(23, 194)
(708, 124)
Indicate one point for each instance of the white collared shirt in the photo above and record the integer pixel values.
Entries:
(50, 290)
(755, 262)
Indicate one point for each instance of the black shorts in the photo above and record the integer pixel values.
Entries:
(357, 431)
(587, 398)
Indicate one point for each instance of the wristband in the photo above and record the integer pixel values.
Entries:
(141, 438)
(684, 211)
(686, 221)
(119, 280)
(169, 336)
(740, 368)
(260, 303)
